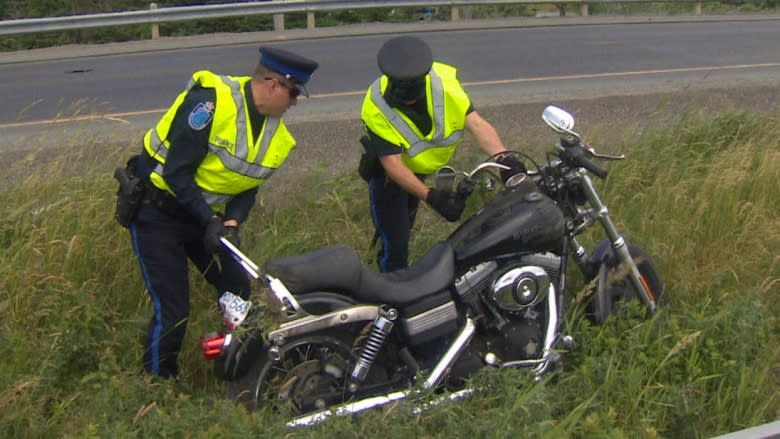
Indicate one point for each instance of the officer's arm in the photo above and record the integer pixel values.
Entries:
(237, 210)
(188, 148)
(399, 173)
(486, 136)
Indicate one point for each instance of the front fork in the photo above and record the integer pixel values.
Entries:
(601, 213)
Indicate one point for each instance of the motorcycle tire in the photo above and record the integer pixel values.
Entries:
(311, 370)
(612, 289)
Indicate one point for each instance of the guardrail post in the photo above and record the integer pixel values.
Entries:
(697, 8)
(155, 26)
(310, 20)
(279, 22)
(454, 13)
(583, 9)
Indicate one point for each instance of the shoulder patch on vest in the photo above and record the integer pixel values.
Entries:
(201, 115)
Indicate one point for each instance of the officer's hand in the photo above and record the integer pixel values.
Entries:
(515, 166)
(446, 203)
(465, 188)
(232, 235)
(214, 230)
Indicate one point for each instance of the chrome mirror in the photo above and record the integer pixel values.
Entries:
(558, 119)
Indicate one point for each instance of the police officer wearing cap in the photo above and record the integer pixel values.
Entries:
(415, 116)
(202, 165)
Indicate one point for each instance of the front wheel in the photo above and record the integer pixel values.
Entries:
(613, 286)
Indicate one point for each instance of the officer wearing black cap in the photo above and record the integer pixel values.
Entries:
(201, 167)
(415, 116)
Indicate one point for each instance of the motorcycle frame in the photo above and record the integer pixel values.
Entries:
(434, 378)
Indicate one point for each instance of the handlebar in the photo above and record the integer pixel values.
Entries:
(486, 166)
(573, 155)
(446, 177)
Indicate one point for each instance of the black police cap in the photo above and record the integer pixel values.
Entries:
(290, 65)
(404, 58)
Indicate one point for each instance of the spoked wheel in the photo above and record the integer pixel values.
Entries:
(614, 287)
(304, 375)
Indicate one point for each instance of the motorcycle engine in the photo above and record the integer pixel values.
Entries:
(513, 298)
(518, 296)
(519, 288)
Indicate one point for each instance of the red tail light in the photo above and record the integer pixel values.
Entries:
(213, 343)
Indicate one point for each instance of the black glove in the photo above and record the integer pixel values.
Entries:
(232, 235)
(447, 204)
(465, 188)
(214, 230)
(515, 165)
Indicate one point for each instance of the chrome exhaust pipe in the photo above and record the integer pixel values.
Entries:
(374, 402)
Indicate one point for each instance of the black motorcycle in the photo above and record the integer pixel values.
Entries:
(492, 294)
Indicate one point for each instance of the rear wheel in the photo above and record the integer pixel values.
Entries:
(304, 375)
(613, 286)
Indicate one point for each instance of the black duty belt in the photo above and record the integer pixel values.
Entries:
(166, 203)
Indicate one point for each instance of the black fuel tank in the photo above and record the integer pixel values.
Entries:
(519, 220)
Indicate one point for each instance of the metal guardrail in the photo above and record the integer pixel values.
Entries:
(154, 16)
(769, 430)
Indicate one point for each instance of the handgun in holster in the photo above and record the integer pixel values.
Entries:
(129, 194)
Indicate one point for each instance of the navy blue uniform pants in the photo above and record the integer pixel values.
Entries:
(163, 244)
(393, 211)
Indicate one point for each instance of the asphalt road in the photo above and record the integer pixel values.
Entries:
(616, 75)
(525, 59)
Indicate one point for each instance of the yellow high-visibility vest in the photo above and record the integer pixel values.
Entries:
(233, 163)
(424, 153)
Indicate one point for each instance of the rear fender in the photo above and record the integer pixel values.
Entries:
(317, 322)
(239, 355)
(322, 302)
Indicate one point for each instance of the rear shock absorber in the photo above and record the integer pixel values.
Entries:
(373, 344)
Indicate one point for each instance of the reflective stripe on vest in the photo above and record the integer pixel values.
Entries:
(416, 144)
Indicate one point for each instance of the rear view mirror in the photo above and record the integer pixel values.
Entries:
(558, 119)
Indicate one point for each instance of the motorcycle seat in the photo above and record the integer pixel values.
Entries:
(339, 269)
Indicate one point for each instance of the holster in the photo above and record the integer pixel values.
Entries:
(369, 166)
(129, 194)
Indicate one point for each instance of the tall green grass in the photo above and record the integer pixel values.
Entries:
(700, 196)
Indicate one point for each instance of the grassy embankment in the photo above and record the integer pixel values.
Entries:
(701, 197)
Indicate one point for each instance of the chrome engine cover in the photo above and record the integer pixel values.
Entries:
(520, 288)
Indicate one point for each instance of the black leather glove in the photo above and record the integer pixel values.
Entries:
(446, 203)
(232, 235)
(515, 165)
(465, 188)
(214, 230)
